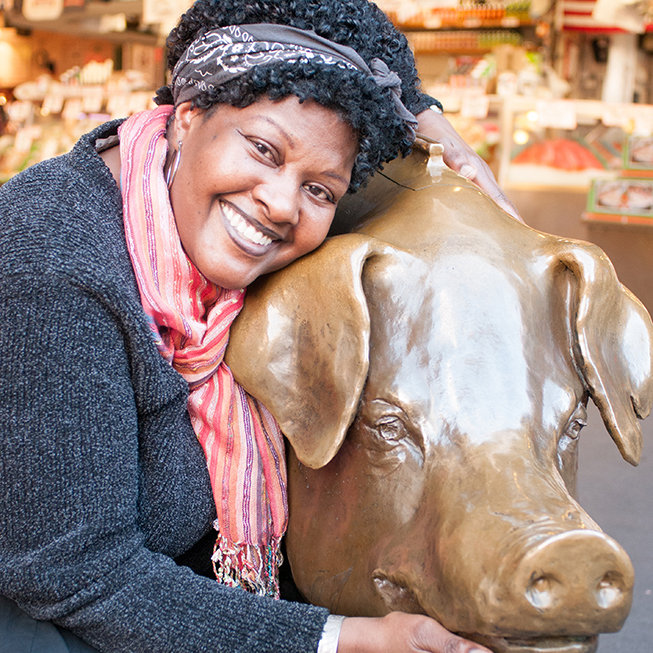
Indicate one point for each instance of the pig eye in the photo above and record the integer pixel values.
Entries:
(567, 450)
(391, 428)
(385, 431)
(575, 427)
(576, 422)
(393, 441)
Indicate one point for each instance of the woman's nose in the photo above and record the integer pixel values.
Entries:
(279, 196)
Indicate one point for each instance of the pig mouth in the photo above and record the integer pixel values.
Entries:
(538, 644)
(398, 596)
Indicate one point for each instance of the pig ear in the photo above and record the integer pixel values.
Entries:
(301, 345)
(614, 346)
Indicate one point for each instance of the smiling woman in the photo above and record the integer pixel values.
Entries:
(144, 491)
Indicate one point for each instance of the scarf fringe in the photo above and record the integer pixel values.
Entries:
(252, 567)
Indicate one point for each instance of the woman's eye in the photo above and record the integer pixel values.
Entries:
(265, 150)
(319, 192)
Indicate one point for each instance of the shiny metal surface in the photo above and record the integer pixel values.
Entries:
(431, 372)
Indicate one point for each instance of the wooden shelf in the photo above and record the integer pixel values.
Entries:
(83, 22)
(617, 218)
(469, 23)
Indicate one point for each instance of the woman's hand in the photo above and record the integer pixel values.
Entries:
(400, 632)
(459, 156)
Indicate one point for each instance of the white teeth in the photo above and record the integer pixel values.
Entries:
(244, 228)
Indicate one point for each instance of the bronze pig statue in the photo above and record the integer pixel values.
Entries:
(431, 372)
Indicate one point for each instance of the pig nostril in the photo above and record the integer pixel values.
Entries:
(609, 589)
(541, 592)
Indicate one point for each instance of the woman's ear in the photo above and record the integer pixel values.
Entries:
(184, 114)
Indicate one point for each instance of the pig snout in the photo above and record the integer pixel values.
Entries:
(520, 574)
(577, 582)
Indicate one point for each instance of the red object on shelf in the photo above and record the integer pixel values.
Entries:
(560, 153)
(577, 16)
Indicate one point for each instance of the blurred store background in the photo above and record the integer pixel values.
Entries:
(557, 96)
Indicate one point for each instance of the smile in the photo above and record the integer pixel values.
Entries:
(244, 228)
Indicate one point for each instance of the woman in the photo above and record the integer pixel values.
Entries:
(127, 447)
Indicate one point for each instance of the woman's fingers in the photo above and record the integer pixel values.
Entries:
(433, 637)
(480, 173)
(459, 156)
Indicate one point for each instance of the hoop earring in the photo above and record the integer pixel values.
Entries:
(172, 170)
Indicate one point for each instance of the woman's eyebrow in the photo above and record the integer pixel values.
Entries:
(336, 176)
(291, 142)
(284, 133)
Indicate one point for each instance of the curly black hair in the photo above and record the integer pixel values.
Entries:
(360, 24)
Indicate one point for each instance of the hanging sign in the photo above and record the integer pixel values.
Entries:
(38, 10)
(558, 114)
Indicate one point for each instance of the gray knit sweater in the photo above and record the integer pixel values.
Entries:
(103, 482)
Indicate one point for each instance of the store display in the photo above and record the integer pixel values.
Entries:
(411, 14)
(624, 200)
(628, 198)
(560, 153)
(48, 115)
(638, 155)
(490, 62)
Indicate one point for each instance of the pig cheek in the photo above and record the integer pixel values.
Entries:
(390, 479)
(361, 504)
(331, 538)
(390, 501)
(567, 463)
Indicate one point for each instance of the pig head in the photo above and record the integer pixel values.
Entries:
(431, 372)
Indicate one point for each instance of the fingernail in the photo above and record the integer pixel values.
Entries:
(469, 172)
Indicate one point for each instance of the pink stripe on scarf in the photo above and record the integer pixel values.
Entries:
(241, 440)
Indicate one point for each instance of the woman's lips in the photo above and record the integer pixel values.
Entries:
(250, 238)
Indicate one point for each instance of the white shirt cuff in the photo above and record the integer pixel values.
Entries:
(330, 634)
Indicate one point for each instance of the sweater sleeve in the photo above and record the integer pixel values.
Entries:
(71, 550)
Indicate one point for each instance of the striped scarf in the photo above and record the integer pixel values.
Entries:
(190, 320)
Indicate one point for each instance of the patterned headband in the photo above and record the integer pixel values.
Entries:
(225, 53)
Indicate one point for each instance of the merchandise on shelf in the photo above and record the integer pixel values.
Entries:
(434, 14)
(461, 40)
(49, 115)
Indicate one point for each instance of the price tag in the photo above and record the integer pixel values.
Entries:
(614, 115)
(92, 99)
(72, 109)
(510, 21)
(139, 101)
(643, 120)
(23, 140)
(52, 103)
(38, 10)
(559, 114)
(475, 106)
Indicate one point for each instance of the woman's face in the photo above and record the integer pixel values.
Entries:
(257, 187)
